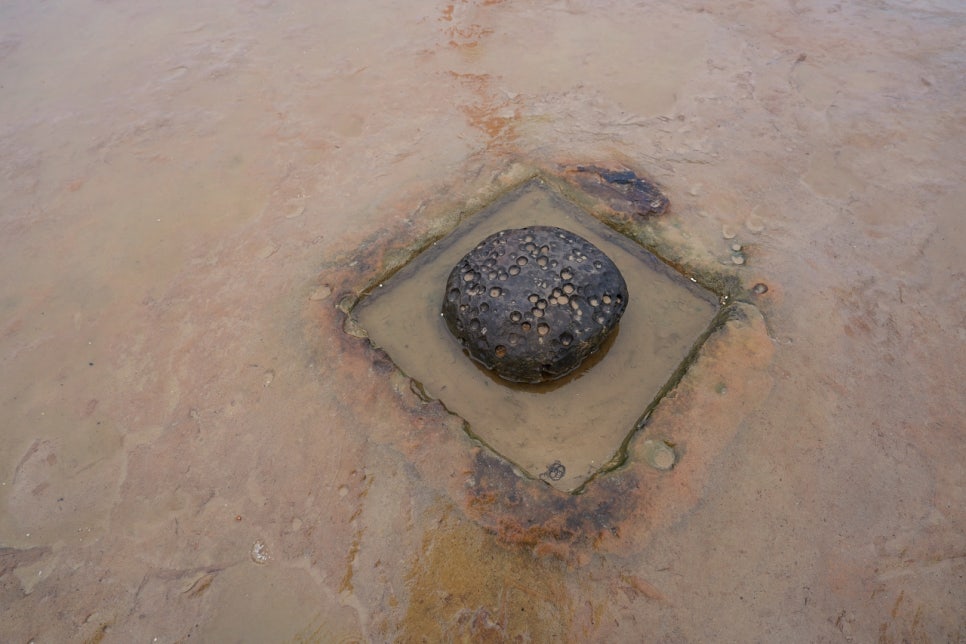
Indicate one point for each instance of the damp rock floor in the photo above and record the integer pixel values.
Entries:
(194, 447)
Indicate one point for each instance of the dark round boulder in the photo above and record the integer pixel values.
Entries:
(532, 303)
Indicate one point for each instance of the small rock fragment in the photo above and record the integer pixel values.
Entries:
(260, 552)
(623, 190)
(659, 455)
(267, 251)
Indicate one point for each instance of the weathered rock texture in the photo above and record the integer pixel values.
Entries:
(532, 303)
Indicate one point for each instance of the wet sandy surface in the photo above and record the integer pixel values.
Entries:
(193, 447)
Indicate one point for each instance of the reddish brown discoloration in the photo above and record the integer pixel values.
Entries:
(619, 508)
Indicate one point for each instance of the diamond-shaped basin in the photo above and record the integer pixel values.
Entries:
(561, 431)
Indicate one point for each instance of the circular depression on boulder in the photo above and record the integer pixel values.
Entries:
(532, 303)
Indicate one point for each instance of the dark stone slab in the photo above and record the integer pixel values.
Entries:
(622, 190)
(532, 303)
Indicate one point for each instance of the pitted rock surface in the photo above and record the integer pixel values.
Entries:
(532, 303)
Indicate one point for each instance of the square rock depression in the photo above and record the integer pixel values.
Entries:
(565, 431)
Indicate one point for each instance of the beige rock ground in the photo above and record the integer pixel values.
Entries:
(192, 447)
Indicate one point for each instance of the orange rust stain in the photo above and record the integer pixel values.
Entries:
(346, 583)
(465, 587)
(474, 80)
(465, 30)
(467, 37)
(482, 118)
(895, 608)
(488, 113)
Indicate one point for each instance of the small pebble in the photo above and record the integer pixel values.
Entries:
(759, 288)
(659, 455)
(321, 293)
(738, 259)
(260, 552)
(736, 247)
(754, 224)
(727, 232)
